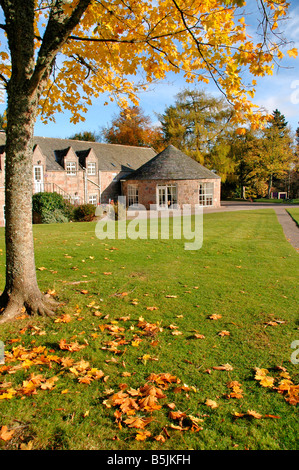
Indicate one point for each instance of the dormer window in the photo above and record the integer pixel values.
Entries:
(71, 168)
(91, 168)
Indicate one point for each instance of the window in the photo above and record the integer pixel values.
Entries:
(132, 194)
(71, 168)
(167, 196)
(206, 194)
(91, 168)
(171, 195)
(37, 173)
(92, 199)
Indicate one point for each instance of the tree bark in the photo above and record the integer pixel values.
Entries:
(29, 75)
(21, 288)
(270, 185)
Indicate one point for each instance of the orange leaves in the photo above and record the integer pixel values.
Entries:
(72, 347)
(65, 318)
(163, 380)
(211, 403)
(263, 378)
(85, 373)
(250, 414)
(282, 384)
(293, 52)
(215, 316)
(237, 391)
(186, 421)
(226, 367)
(138, 423)
(5, 434)
(134, 403)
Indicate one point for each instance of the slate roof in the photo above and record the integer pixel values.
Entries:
(111, 157)
(171, 164)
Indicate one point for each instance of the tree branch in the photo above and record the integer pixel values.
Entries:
(57, 32)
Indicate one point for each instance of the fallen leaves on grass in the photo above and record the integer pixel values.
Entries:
(255, 415)
(248, 414)
(136, 422)
(72, 347)
(211, 403)
(198, 336)
(142, 435)
(5, 434)
(281, 383)
(274, 323)
(224, 333)
(226, 367)
(65, 318)
(236, 390)
(135, 403)
(215, 316)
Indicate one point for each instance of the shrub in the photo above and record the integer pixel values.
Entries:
(51, 207)
(54, 217)
(84, 213)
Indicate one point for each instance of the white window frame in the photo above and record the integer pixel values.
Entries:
(206, 193)
(92, 199)
(170, 196)
(71, 168)
(91, 168)
(38, 178)
(132, 195)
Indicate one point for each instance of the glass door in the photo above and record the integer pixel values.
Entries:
(38, 179)
(162, 197)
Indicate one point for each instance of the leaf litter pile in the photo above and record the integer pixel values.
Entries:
(134, 408)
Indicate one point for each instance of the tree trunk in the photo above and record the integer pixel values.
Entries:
(270, 186)
(30, 72)
(21, 288)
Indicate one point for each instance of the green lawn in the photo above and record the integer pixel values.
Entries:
(107, 341)
(294, 213)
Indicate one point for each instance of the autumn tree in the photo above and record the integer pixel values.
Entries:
(262, 155)
(132, 127)
(276, 152)
(195, 121)
(86, 136)
(58, 54)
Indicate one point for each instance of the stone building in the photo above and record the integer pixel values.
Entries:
(97, 173)
(82, 172)
(171, 178)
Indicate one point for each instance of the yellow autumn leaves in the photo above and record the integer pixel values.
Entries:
(134, 407)
(205, 40)
(281, 383)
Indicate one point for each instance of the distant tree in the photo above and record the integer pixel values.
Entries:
(279, 123)
(86, 136)
(2, 122)
(195, 122)
(276, 151)
(264, 155)
(132, 127)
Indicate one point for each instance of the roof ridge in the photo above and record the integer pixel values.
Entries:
(92, 142)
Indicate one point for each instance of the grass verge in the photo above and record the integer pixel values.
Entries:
(156, 347)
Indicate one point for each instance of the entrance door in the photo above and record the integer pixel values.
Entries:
(38, 179)
(162, 197)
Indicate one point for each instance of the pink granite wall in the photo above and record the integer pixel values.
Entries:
(187, 190)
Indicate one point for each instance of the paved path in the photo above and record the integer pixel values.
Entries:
(290, 228)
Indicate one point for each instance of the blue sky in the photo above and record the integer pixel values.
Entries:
(281, 91)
